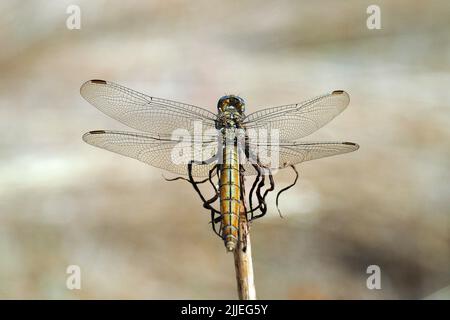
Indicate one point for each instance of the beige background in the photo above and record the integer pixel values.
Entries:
(134, 235)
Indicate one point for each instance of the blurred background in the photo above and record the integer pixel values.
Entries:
(134, 235)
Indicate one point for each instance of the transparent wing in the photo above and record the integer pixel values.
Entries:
(161, 152)
(299, 120)
(143, 112)
(286, 154)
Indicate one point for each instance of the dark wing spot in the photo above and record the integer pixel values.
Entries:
(349, 143)
(98, 81)
(97, 132)
(338, 92)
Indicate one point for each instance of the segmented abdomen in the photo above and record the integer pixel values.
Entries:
(230, 195)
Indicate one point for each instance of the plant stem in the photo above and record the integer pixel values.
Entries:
(243, 260)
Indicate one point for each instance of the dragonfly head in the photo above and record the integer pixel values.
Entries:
(231, 103)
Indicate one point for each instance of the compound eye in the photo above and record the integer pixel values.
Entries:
(221, 105)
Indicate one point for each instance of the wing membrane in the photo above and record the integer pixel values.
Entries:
(299, 120)
(143, 112)
(161, 152)
(296, 152)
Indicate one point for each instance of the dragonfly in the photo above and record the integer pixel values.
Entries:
(200, 145)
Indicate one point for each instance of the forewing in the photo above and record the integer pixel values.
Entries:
(299, 120)
(161, 152)
(143, 112)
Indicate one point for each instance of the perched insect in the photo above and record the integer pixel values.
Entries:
(188, 140)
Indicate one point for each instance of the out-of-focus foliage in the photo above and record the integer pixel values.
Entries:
(134, 235)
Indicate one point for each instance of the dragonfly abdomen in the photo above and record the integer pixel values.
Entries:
(230, 199)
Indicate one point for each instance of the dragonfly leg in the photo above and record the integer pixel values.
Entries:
(272, 186)
(206, 203)
(244, 215)
(252, 189)
(214, 221)
(286, 188)
(216, 192)
(194, 183)
(182, 178)
(262, 198)
(257, 186)
(242, 189)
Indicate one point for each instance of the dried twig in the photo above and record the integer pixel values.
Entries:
(243, 259)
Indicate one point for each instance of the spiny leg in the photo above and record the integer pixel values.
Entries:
(262, 203)
(206, 203)
(262, 198)
(191, 180)
(272, 185)
(214, 221)
(216, 192)
(182, 178)
(242, 189)
(194, 184)
(252, 189)
(257, 186)
(286, 188)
